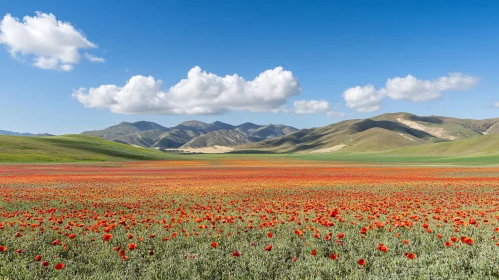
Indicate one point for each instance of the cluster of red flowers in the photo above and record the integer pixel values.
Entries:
(311, 203)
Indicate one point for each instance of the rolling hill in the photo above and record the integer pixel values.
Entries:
(71, 148)
(189, 134)
(381, 133)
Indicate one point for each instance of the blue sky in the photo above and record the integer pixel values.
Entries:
(329, 46)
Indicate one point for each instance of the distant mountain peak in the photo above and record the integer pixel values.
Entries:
(193, 123)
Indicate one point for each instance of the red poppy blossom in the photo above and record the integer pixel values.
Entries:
(410, 255)
(59, 266)
(3, 249)
(314, 252)
(333, 256)
(236, 254)
(38, 258)
(268, 248)
(214, 244)
(107, 237)
(361, 262)
(132, 246)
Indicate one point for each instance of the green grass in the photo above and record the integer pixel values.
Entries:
(71, 148)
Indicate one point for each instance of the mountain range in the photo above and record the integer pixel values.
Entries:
(394, 137)
(381, 133)
(190, 134)
(11, 133)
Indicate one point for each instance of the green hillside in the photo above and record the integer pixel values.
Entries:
(482, 145)
(478, 150)
(71, 148)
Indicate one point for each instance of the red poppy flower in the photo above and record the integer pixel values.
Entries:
(382, 248)
(410, 255)
(214, 244)
(3, 249)
(268, 248)
(72, 236)
(45, 263)
(361, 262)
(333, 257)
(38, 258)
(132, 246)
(448, 244)
(314, 252)
(236, 254)
(107, 237)
(341, 235)
(270, 235)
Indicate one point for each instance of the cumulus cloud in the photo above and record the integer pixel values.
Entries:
(50, 43)
(200, 93)
(310, 106)
(496, 104)
(93, 58)
(368, 98)
(364, 99)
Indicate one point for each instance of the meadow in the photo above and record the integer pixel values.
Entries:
(248, 219)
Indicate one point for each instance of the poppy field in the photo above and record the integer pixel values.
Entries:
(248, 219)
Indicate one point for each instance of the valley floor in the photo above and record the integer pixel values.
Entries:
(236, 218)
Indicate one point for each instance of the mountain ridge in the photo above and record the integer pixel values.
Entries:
(380, 133)
(152, 135)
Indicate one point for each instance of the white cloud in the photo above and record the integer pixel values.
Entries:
(368, 99)
(52, 44)
(93, 58)
(496, 104)
(200, 93)
(310, 106)
(410, 88)
(363, 99)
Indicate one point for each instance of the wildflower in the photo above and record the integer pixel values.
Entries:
(132, 246)
(59, 266)
(107, 237)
